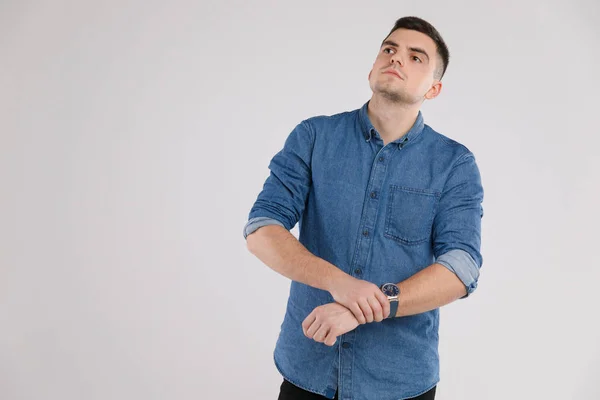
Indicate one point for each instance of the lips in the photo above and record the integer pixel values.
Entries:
(393, 72)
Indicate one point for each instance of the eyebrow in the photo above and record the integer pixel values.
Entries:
(414, 49)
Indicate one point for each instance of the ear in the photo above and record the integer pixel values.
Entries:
(434, 91)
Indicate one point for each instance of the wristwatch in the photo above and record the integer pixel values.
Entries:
(392, 291)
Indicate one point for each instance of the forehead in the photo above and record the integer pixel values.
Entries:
(408, 38)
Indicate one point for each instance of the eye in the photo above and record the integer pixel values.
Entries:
(386, 49)
(418, 59)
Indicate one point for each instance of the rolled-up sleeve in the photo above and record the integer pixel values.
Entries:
(284, 193)
(457, 223)
(255, 223)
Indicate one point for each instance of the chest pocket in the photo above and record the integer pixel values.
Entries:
(409, 214)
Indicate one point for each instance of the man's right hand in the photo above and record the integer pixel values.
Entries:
(364, 299)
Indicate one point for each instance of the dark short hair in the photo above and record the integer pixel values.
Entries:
(420, 25)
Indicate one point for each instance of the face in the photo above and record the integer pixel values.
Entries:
(412, 56)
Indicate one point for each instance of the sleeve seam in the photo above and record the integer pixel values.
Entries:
(454, 165)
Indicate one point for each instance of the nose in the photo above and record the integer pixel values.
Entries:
(395, 57)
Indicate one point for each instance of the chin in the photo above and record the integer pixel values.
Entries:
(392, 95)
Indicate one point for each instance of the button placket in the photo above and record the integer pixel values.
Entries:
(361, 255)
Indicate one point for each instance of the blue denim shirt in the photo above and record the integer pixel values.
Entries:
(381, 214)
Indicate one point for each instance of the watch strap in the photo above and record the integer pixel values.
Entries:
(393, 308)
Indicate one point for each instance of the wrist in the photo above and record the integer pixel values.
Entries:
(392, 291)
(335, 278)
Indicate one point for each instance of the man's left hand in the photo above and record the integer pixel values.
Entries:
(325, 323)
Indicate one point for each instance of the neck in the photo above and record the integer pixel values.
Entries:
(392, 120)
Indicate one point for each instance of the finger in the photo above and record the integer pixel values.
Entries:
(366, 309)
(321, 334)
(358, 314)
(376, 307)
(310, 332)
(308, 322)
(331, 338)
(384, 302)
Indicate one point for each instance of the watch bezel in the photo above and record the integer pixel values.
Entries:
(390, 289)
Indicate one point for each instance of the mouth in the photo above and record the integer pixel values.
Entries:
(392, 72)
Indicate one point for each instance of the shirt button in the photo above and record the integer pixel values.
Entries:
(381, 159)
(358, 271)
(373, 195)
(346, 345)
(365, 233)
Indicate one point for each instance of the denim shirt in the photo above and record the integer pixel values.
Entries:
(381, 214)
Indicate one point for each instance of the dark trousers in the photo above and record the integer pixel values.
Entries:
(289, 391)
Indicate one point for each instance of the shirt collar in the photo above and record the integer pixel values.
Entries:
(368, 130)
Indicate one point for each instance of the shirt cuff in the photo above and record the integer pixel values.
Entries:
(257, 222)
(462, 264)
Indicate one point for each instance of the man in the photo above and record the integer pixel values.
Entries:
(390, 213)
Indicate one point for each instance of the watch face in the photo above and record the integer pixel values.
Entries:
(390, 289)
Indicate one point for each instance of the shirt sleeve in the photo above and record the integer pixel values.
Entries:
(284, 193)
(457, 223)
(257, 222)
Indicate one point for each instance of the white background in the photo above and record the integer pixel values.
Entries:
(135, 137)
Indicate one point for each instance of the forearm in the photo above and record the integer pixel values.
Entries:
(430, 288)
(277, 248)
